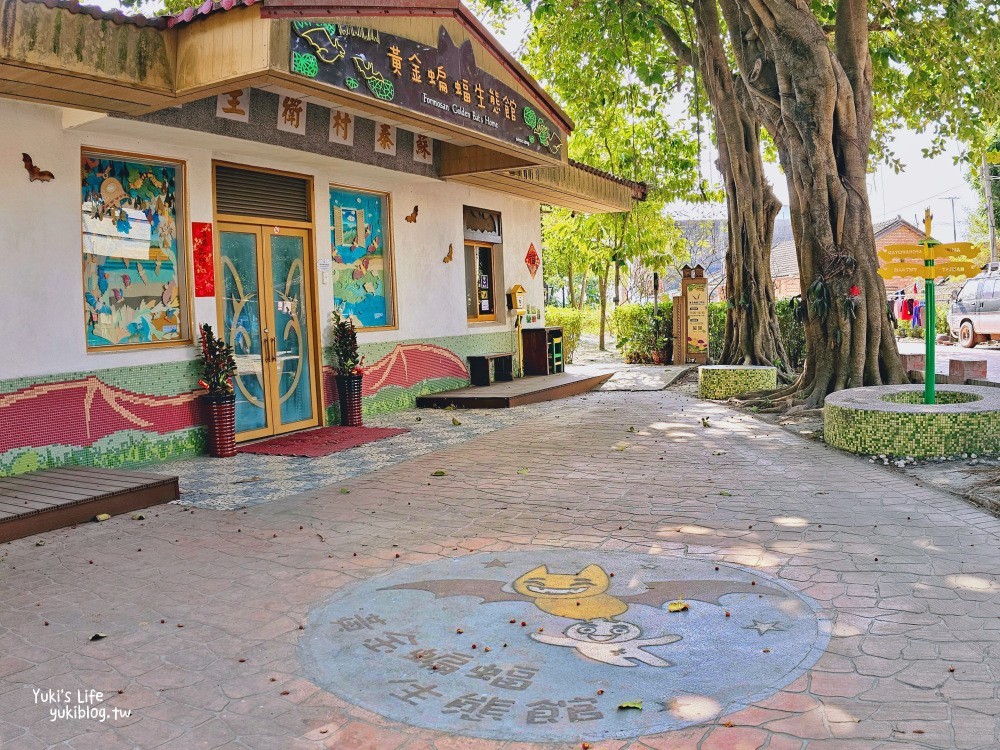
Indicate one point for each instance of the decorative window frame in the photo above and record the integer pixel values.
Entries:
(388, 251)
(183, 274)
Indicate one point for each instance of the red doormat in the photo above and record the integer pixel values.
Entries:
(320, 442)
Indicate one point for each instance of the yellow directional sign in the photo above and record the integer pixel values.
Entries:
(955, 251)
(915, 252)
(955, 268)
(916, 270)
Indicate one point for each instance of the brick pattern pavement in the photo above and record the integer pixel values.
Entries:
(905, 573)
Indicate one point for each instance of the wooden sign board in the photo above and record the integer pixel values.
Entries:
(691, 318)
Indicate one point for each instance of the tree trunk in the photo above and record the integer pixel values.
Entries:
(583, 289)
(572, 290)
(602, 279)
(752, 332)
(753, 336)
(817, 104)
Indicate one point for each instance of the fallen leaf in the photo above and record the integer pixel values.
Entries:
(637, 705)
(725, 493)
(728, 724)
(455, 422)
(40, 543)
(522, 471)
(138, 517)
(345, 491)
(102, 517)
(439, 473)
(98, 637)
(679, 606)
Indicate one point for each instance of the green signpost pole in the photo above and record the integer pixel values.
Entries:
(930, 336)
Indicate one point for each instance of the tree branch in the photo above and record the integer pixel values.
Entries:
(669, 34)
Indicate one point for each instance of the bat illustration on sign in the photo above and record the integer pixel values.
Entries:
(412, 218)
(328, 49)
(34, 173)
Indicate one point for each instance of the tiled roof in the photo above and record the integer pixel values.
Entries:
(189, 14)
(137, 19)
(100, 14)
(784, 261)
(639, 189)
(882, 227)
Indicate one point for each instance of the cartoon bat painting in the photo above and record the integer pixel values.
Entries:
(657, 594)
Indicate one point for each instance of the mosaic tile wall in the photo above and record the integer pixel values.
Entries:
(892, 421)
(725, 381)
(399, 371)
(109, 418)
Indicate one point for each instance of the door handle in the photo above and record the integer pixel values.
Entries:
(274, 349)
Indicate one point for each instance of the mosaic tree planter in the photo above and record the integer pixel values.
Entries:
(892, 420)
(726, 381)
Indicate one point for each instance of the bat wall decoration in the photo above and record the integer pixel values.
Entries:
(412, 218)
(34, 173)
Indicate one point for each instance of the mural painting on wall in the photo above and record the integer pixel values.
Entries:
(133, 267)
(204, 258)
(362, 272)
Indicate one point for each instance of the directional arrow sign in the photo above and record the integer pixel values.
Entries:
(956, 268)
(955, 251)
(891, 270)
(916, 252)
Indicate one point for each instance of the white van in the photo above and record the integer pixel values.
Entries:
(974, 314)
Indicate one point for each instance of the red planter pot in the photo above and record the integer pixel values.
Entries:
(349, 395)
(220, 415)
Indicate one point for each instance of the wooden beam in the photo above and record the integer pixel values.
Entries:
(459, 160)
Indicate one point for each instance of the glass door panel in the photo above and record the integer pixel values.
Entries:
(244, 327)
(290, 338)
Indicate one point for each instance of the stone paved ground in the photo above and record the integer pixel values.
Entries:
(905, 576)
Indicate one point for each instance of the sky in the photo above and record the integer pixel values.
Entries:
(923, 183)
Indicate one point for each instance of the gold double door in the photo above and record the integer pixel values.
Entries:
(267, 312)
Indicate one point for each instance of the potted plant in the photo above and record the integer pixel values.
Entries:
(349, 368)
(218, 366)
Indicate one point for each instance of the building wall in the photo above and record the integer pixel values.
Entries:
(139, 405)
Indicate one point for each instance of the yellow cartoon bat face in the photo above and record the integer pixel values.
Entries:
(539, 582)
(580, 596)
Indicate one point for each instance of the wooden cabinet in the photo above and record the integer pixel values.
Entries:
(543, 350)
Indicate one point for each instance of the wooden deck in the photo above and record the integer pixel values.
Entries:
(54, 498)
(520, 391)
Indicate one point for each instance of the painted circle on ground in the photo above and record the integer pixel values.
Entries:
(441, 645)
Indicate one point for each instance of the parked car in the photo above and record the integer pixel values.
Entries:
(974, 313)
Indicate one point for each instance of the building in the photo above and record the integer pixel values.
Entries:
(785, 270)
(256, 166)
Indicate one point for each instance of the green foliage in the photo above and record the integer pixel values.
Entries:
(793, 334)
(571, 321)
(716, 329)
(218, 364)
(344, 349)
(641, 334)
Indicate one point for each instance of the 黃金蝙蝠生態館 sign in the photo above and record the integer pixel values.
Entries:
(444, 83)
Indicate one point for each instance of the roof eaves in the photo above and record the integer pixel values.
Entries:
(639, 189)
(206, 8)
(100, 14)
